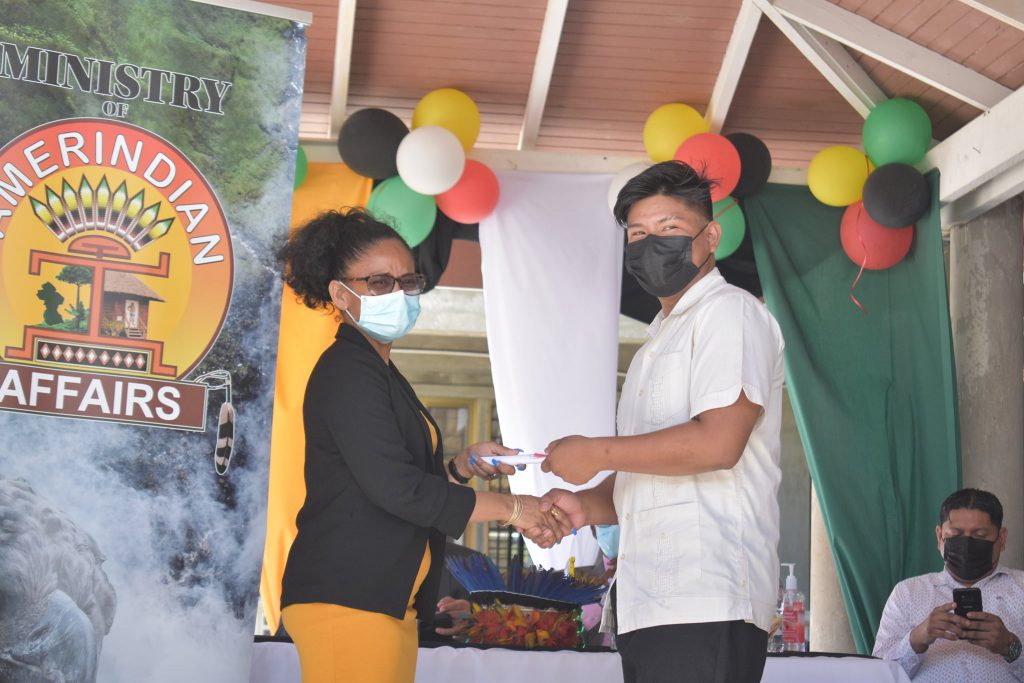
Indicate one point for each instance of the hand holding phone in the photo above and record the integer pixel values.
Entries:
(967, 600)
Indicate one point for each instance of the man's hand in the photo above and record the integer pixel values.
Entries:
(541, 523)
(564, 503)
(572, 458)
(560, 522)
(941, 623)
(988, 631)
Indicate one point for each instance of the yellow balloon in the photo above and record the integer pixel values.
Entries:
(668, 126)
(451, 109)
(837, 174)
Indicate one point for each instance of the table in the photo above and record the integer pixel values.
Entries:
(277, 662)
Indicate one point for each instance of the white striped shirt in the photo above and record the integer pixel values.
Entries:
(952, 661)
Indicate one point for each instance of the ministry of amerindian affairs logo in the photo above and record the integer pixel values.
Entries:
(115, 275)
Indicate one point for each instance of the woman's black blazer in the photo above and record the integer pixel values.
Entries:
(376, 491)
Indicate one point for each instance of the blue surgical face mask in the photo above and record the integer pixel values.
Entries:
(386, 317)
(608, 539)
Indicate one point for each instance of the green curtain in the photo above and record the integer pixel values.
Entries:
(874, 394)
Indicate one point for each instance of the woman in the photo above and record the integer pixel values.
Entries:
(379, 504)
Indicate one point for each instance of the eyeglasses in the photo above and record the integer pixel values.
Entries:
(411, 283)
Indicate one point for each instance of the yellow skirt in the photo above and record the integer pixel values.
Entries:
(343, 645)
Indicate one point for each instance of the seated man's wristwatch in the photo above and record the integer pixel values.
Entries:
(1013, 652)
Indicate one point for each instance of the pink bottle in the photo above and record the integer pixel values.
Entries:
(794, 621)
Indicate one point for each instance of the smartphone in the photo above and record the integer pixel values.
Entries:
(443, 620)
(967, 600)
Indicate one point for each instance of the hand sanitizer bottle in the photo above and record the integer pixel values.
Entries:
(794, 625)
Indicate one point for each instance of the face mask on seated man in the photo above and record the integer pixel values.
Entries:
(920, 628)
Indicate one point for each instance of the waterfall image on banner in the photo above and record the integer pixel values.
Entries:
(144, 187)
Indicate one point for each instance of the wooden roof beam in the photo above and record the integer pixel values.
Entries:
(982, 164)
(342, 65)
(1007, 11)
(831, 59)
(732, 65)
(543, 70)
(893, 49)
(547, 161)
(979, 201)
(266, 8)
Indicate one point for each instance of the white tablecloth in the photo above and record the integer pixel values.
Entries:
(278, 663)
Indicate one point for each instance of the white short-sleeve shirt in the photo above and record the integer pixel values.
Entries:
(702, 548)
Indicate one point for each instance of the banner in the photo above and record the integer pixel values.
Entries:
(874, 394)
(540, 301)
(147, 155)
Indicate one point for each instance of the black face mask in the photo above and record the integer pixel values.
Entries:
(663, 265)
(967, 557)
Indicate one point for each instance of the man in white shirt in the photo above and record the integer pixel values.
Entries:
(696, 459)
(919, 628)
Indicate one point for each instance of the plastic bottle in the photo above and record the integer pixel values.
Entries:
(794, 624)
(775, 632)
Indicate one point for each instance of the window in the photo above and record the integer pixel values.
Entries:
(464, 421)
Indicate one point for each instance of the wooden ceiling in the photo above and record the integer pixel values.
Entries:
(581, 76)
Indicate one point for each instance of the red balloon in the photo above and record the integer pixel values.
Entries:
(716, 157)
(860, 235)
(474, 197)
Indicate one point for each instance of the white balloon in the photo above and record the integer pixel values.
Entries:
(430, 160)
(623, 177)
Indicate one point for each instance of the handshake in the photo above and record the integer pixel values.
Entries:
(548, 519)
(545, 520)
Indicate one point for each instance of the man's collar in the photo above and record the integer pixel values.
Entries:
(711, 281)
(944, 578)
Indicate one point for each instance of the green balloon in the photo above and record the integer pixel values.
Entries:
(897, 131)
(734, 226)
(410, 213)
(301, 166)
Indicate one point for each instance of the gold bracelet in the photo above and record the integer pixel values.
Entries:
(513, 513)
(517, 511)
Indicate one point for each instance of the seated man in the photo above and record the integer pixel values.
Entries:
(920, 630)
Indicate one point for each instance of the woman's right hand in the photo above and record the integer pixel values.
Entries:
(544, 524)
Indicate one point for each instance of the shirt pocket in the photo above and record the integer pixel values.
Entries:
(667, 391)
(668, 549)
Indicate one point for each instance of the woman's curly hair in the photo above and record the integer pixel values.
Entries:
(323, 249)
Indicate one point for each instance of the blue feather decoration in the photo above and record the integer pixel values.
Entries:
(478, 574)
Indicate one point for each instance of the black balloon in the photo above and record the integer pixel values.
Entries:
(755, 163)
(432, 254)
(896, 195)
(368, 142)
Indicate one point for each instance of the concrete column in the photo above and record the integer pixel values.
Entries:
(830, 625)
(987, 311)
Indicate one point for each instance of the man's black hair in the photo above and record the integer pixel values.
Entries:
(972, 499)
(669, 178)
